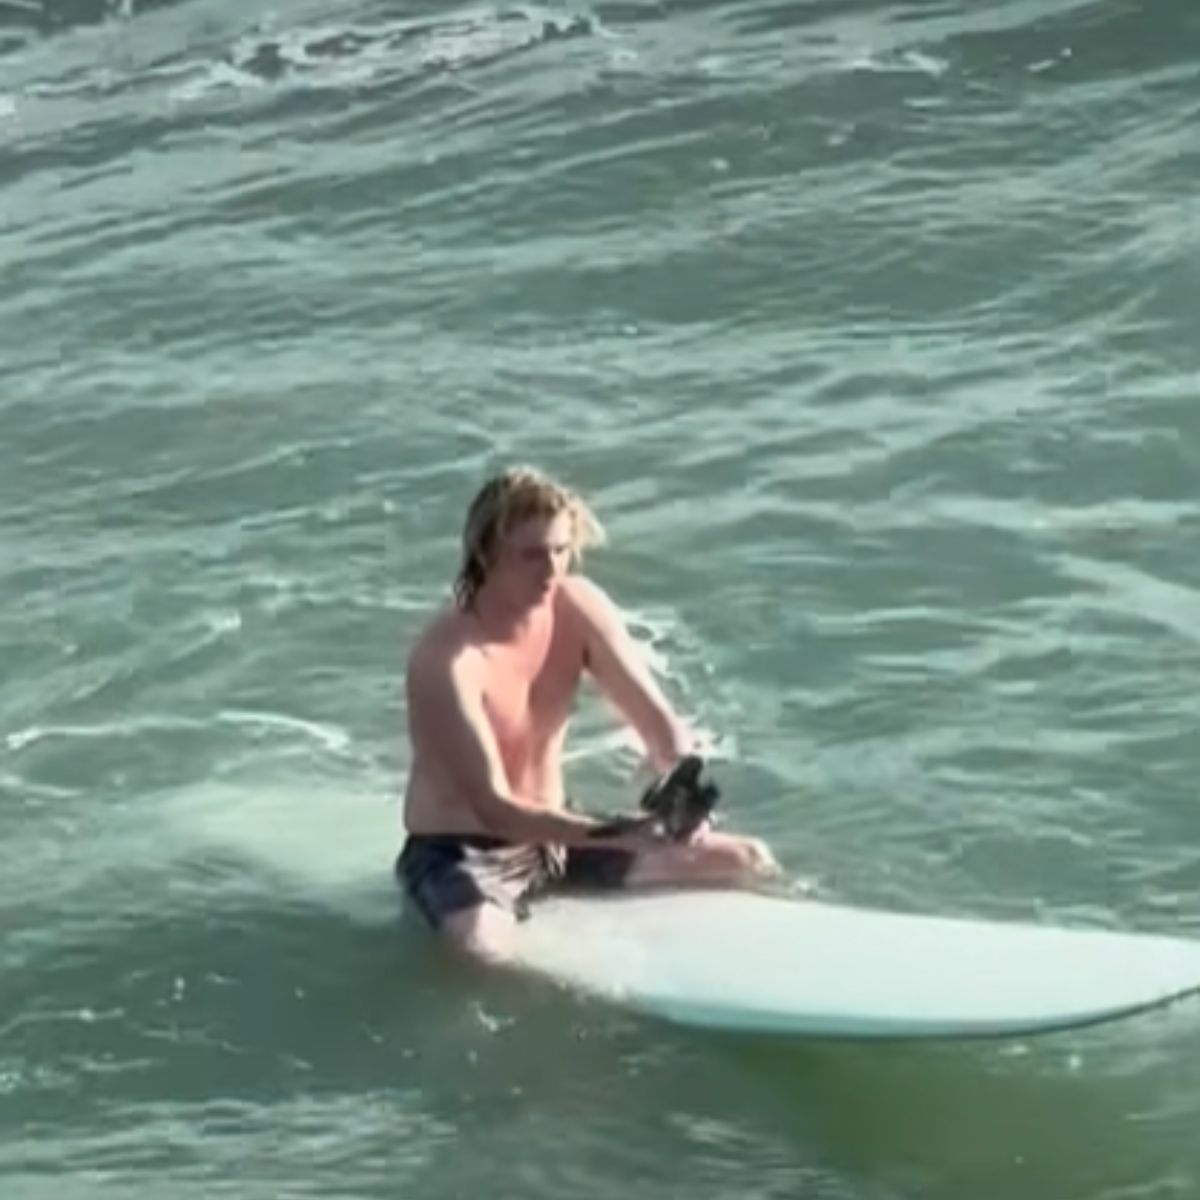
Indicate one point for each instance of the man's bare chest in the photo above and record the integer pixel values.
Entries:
(529, 687)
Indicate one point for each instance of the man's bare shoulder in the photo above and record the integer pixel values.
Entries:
(589, 601)
(444, 647)
(584, 594)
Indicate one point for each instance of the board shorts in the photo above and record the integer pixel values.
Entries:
(447, 873)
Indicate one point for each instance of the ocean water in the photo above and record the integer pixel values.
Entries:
(871, 332)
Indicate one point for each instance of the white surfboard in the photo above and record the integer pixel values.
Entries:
(749, 962)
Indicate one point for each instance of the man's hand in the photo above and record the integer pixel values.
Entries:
(629, 832)
(675, 808)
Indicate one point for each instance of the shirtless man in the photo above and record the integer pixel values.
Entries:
(490, 686)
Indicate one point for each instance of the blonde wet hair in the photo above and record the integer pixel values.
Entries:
(515, 495)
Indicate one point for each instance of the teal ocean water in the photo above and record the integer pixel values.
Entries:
(869, 329)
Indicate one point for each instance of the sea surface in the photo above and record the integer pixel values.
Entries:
(872, 333)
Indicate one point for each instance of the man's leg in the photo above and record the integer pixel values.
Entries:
(469, 889)
(709, 860)
(483, 932)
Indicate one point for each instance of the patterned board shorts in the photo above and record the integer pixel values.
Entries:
(447, 873)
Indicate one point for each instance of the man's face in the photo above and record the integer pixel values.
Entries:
(531, 558)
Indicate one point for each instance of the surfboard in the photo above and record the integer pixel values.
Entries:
(757, 963)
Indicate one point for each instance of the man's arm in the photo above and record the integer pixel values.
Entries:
(452, 733)
(620, 668)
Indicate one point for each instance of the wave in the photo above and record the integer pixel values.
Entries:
(308, 52)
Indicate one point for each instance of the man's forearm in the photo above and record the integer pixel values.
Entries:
(510, 818)
(667, 741)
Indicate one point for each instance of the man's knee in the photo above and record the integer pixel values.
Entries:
(759, 859)
(746, 858)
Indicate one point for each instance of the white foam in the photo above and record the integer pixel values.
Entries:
(104, 730)
(221, 621)
(328, 843)
(216, 78)
(329, 737)
(906, 61)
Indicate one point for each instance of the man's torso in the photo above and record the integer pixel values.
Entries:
(528, 683)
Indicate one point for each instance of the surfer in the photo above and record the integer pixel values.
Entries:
(490, 684)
